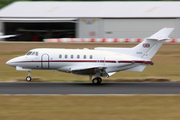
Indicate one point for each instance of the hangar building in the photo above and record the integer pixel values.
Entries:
(36, 21)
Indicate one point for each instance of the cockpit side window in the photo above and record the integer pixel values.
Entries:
(36, 53)
(33, 53)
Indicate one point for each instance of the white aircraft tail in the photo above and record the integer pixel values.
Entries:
(148, 48)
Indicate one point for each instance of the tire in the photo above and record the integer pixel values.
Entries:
(100, 80)
(95, 81)
(28, 78)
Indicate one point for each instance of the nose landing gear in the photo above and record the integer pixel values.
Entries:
(28, 78)
(97, 80)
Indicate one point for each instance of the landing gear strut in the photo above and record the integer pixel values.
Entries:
(28, 78)
(97, 80)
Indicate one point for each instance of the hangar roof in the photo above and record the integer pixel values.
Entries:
(54, 9)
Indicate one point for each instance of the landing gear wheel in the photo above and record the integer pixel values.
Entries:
(28, 78)
(95, 81)
(99, 79)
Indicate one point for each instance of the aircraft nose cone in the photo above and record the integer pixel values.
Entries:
(9, 62)
(15, 61)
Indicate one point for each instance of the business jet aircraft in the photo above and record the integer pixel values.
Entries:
(100, 62)
(6, 36)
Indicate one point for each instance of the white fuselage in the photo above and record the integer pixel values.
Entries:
(69, 60)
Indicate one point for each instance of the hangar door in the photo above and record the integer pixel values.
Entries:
(39, 31)
(135, 28)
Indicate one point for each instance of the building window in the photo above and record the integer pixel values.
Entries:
(84, 56)
(78, 56)
(91, 56)
(72, 56)
(66, 56)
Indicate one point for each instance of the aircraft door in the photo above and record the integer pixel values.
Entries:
(45, 61)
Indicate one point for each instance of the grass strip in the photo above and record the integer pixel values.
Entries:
(138, 107)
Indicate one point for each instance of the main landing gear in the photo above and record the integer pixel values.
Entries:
(97, 80)
(28, 78)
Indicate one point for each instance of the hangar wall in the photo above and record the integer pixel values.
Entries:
(1, 28)
(90, 28)
(125, 28)
(135, 28)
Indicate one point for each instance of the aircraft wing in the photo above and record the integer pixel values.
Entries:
(7, 36)
(78, 68)
(96, 71)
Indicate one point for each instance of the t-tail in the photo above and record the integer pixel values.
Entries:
(148, 48)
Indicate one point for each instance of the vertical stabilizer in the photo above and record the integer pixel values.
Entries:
(148, 48)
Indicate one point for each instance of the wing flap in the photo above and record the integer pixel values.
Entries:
(77, 68)
(111, 73)
(95, 71)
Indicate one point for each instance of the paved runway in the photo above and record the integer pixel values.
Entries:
(89, 88)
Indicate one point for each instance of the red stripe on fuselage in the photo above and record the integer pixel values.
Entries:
(102, 61)
(135, 62)
(70, 61)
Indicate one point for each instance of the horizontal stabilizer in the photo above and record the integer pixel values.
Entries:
(162, 34)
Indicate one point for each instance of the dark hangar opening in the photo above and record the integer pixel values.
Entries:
(39, 31)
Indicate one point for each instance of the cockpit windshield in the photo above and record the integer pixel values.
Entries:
(29, 53)
(34, 53)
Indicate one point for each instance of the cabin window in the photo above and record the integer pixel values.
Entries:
(84, 56)
(78, 56)
(72, 56)
(60, 56)
(91, 56)
(66, 56)
(36, 53)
